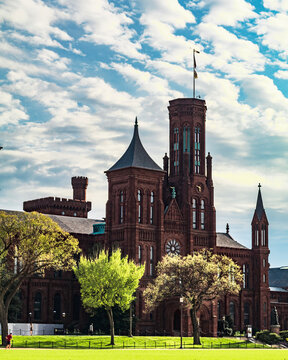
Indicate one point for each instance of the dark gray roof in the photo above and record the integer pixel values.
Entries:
(278, 277)
(278, 289)
(259, 206)
(69, 224)
(226, 240)
(135, 155)
(75, 225)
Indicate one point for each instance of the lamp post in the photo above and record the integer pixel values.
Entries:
(181, 327)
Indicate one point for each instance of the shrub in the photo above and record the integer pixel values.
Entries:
(267, 337)
(284, 334)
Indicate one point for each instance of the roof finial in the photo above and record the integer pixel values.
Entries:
(136, 121)
(227, 228)
(173, 192)
(259, 186)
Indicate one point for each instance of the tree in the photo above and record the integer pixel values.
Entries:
(196, 278)
(30, 243)
(108, 281)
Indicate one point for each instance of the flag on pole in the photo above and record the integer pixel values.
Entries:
(194, 64)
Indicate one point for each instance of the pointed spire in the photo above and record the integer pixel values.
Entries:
(259, 206)
(135, 155)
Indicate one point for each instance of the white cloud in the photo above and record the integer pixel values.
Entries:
(11, 110)
(232, 55)
(277, 5)
(105, 24)
(36, 18)
(161, 19)
(281, 74)
(145, 80)
(227, 12)
(51, 58)
(273, 30)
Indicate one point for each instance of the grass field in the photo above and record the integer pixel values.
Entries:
(143, 342)
(44, 354)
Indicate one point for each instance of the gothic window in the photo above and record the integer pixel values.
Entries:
(186, 139)
(140, 205)
(245, 270)
(197, 149)
(232, 311)
(202, 215)
(256, 235)
(264, 262)
(231, 274)
(57, 306)
(176, 151)
(263, 234)
(121, 202)
(264, 278)
(139, 254)
(194, 214)
(37, 306)
(151, 260)
(151, 207)
(246, 313)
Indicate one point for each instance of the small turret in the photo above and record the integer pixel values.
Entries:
(79, 184)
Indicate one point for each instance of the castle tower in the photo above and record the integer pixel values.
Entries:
(134, 212)
(79, 184)
(260, 248)
(191, 173)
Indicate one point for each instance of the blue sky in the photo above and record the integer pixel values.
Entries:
(74, 74)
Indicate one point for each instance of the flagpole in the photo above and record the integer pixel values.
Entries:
(193, 73)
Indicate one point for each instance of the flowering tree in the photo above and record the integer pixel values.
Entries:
(200, 277)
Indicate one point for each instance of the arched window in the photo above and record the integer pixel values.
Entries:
(139, 254)
(202, 214)
(121, 203)
(176, 151)
(37, 306)
(245, 270)
(151, 260)
(256, 235)
(232, 311)
(194, 213)
(263, 235)
(151, 207)
(76, 306)
(247, 314)
(197, 150)
(140, 198)
(57, 306)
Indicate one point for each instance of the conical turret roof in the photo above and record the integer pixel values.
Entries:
(259, 206)
(135, 155)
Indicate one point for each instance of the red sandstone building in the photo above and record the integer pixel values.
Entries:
(151, 212)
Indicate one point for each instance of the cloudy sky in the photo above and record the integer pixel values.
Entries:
(74, 74)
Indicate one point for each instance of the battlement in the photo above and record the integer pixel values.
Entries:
(79, 184)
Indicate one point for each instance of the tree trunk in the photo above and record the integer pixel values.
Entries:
(195, 325)
(111, 322)
(4, 322)
(131, 321)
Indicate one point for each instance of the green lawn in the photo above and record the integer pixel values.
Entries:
(44, 354)
(102, 342)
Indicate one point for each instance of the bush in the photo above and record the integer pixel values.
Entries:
(284, 334)
(267, 337)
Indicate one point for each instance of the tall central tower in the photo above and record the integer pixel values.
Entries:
(190, 172)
